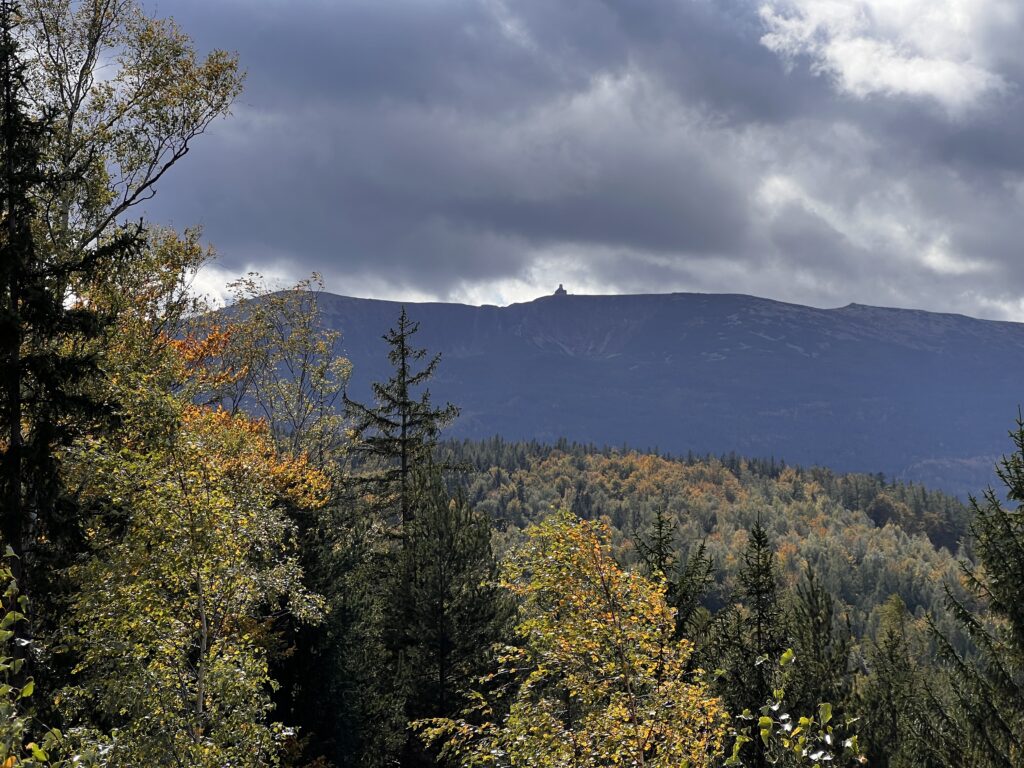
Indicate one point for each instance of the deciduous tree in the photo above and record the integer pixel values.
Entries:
(173, 618)
(598, 678)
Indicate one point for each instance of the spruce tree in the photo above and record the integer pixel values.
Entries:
(749, 638)
(985, 727)
(686, 583)
(821, 641)
(398, 432)
(759, 579)
(891, 700)
(454, 609)
(391, 614)
(45, 334)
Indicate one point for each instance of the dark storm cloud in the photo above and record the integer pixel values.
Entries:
(480, 150)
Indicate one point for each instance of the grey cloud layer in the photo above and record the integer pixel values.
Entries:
(482, 149)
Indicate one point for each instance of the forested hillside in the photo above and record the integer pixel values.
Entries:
(865, 539)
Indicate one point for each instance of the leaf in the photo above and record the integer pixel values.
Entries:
(825, 712)
(38, 753)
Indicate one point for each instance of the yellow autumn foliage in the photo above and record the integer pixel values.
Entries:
(597, 678)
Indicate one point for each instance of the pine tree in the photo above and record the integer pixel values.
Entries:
(398, 433)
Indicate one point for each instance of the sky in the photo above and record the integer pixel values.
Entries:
(483, 151)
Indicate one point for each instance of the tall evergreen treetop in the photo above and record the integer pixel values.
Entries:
(401, 429)
(749, 638)
(686, 582)
(759, 580)
(821, 638)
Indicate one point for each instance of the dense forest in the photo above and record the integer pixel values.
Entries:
(215, 557)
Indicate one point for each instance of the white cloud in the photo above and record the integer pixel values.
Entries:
(212, 281)
(939, 258)
(628, 154)
(935, 49)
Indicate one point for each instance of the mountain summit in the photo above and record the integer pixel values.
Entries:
(916, 395)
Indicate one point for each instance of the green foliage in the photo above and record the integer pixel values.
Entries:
(412, 608)
(892, 696)
(823, 643)
(46, 363)
(452, 608)
(942, 518)
(814, 518)
(398, 433)
(751, 629)
(170, 564)
(79, 150)
(597, 677)
(19, 744)
(687, 582)
(128, 95)
(287, 369)
(177, 570)
(811, 740)
(172, 617)
(984, 722)
(837, 569)
(447, 608)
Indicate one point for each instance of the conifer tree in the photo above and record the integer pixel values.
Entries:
(403, 613)
(985, 728)
(891, 699)
(821, 641)
(20, 164)
(399, 431)
(686, 583)
(455, 610)
(44, 330)
(749, 638)
(657, 548)
(760, 594)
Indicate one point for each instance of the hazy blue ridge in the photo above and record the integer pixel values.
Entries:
(917, 395)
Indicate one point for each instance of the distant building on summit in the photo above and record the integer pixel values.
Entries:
(561, 291)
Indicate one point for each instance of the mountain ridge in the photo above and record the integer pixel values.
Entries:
(914, 394)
